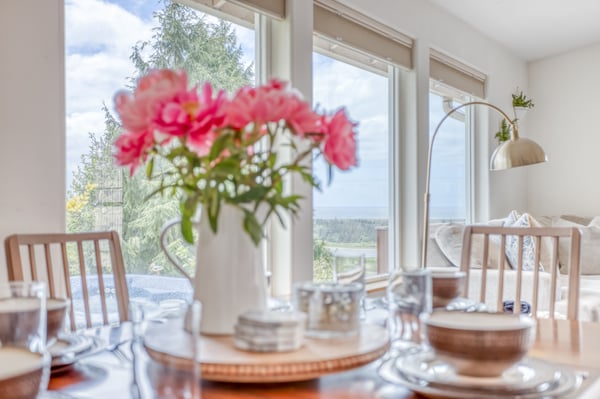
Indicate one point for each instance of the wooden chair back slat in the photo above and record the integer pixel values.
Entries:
(49, 270)
(33, 265)
(101, 281)
(66, 272)
(84, 286)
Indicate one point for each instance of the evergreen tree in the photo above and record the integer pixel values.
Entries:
(103, 196)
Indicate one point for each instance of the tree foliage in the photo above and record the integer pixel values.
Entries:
(356, 231)
(103, 196)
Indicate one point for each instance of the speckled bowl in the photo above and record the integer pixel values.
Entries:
(57, 309)
(479, 344)
(446, 284)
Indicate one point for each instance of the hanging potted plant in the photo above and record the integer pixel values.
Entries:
(521, 104)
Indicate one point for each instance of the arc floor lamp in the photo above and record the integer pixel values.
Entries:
(515, 152)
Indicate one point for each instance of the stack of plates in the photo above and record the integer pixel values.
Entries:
(531, 378)
(69, 348)
(270, 331)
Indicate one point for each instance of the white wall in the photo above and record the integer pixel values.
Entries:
(32, 118)
(566, 92)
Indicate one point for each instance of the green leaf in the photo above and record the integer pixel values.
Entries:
(254, 194)
(253, 227)
(187, 229)
(226, 167)
(218, 145)
(150, 168)
(214, 207)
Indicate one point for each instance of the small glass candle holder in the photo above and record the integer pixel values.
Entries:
(333, 310)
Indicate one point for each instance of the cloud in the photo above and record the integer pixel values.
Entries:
(79, 125)
(99, 37)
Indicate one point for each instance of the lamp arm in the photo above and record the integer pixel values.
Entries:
(514, 136)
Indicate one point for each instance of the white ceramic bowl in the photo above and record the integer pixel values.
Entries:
(479, 344)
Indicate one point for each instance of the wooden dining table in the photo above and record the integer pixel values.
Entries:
(568, 343)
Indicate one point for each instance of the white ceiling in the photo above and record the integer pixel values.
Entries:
(532, 29)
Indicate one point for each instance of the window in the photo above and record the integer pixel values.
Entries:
(351, 211)
(108, 45)
(450, 159)
(355, 61)
(452, 83)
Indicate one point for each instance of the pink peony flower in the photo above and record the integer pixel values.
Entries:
(339, 143)
(209, 116)
(138, 110)
(132, 149)
(268, 103)
(302, 119)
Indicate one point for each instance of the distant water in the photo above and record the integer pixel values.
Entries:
(363, 212)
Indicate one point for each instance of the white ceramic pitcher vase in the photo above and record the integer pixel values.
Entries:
(229, 277)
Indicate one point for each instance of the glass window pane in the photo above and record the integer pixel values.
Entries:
(349, 213)
(448, 185)
(108, 45)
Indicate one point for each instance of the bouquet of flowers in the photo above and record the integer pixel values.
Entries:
(222, 150)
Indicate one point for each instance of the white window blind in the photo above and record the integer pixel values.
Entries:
(456, 74)
(343, 26)
(245, 9)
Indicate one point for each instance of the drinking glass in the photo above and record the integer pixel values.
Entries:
(171, 378)
(349, 271)
(408, 296)
(332, 309)
(24, 360)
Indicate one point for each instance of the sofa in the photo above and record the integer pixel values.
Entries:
(445, 250)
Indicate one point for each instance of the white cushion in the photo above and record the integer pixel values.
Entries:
(590, 246)
(510, 287)
(449, 239)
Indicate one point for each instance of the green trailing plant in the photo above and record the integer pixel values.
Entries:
(504, 133)
(519, 100)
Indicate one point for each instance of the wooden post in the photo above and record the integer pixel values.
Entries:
(382, 250)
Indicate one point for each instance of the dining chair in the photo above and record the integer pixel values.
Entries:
(531, 248)
(76, 265)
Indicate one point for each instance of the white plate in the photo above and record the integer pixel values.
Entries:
(525, 376)
(69, 343)
(76, 348)
(567, 382)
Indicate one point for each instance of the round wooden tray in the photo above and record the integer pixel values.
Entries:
(221, 361)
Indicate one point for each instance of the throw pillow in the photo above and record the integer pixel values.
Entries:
(435, 255)
(512, 246)
(529, 248)
(449, 239)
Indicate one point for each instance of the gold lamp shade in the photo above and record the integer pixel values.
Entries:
(517, 152)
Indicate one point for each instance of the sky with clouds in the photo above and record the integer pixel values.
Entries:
(100, 36)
